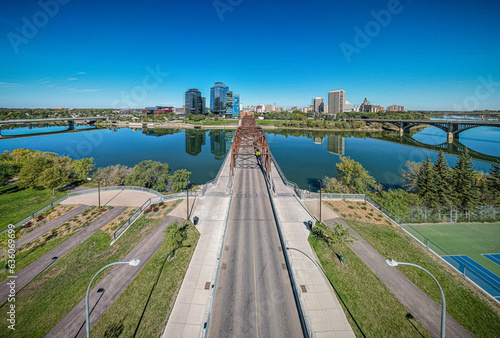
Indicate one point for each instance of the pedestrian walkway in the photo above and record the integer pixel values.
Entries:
(421, 306)
(38, 232)
(104, 293)
(192, 306)
(30, 272)
(323, 312)
(114, 198)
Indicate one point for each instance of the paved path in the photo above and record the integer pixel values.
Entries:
(323, 311)
(192, 305)
(38, 232)
(113, 284)
(30, 272)
(415, 300)
(254, 296)
(128, 198)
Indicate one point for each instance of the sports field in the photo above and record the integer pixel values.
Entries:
(471, 239)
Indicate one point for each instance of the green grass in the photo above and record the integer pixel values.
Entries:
(371, 306)
(23, 259)
(125, 314)
(467, 305)
(45, 301)
(18, 203)
(471, 239)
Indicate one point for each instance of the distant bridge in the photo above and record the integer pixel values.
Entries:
(71, 121)
(454, 148)
(452, 128)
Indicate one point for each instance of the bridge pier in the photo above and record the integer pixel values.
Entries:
(71, 125)
(450, 137)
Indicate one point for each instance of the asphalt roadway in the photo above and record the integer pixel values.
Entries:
(254, 295)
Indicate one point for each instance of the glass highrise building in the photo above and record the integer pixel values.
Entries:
(195, 103)
(236, 105)
(218, 98)
(229, 103)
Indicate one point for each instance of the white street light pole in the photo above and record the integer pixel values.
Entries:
(392, 262)
(133, 262)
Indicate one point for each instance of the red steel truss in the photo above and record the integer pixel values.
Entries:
(250, 140)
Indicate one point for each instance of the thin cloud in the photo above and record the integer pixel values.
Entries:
(78, 91)
(8, 84)
(71, 79)
(80, 73)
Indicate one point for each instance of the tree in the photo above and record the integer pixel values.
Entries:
(7, 171)
(443, 190)
(82, 168)
(493, 182)
(150, 174)
(352, 175)
(54, 177)
(113, 175)
(465, 182)
(343, 237)
(426, 183)
(410, 176)
(32, 169)
(179, 179)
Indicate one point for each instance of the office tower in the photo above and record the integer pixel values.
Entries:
(347, 106)
(336, 102)
(229, 103)
(236, 105)
(319, 105)
(194, 102)
(270, 108)
(336, 145)
(218, 98)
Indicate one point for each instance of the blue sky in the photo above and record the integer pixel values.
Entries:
(442, 55)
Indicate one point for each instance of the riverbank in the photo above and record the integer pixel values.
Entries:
(233, 126)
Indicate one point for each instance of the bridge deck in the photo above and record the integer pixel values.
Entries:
(254, 295)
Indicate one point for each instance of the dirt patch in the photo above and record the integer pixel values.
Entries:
(358, 211)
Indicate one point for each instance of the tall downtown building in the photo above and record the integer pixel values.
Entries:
(195, 103)
(218, 98)
(319, 105)
(236, 105)
(336, 101)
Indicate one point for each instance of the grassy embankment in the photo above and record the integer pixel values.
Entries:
(17, 203)
(371, 309)
(466, 304)
(143, 309)
(43, 302)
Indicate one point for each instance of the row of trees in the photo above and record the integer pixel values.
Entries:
(42, 170)
(461, 187)
(148, 174)
(45, 170)
(434, 185)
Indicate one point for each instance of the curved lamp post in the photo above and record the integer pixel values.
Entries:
(392, 262)
(133, 262)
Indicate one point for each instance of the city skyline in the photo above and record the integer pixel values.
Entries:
(425, 55)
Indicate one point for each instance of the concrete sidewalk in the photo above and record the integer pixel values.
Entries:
(192, 306)
(323, 312)
(115, 198)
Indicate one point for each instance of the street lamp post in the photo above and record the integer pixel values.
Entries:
(319, 200)
(187, 200)
(392, 262)
(133, 262)
(98, 190)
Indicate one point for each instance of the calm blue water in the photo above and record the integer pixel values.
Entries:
(302, 159)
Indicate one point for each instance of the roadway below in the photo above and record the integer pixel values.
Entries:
(253, 294)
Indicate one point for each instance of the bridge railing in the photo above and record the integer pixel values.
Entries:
(288, 183)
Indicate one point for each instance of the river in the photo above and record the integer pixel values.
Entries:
(304, 156)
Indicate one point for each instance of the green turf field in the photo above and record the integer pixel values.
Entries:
(471, 239)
